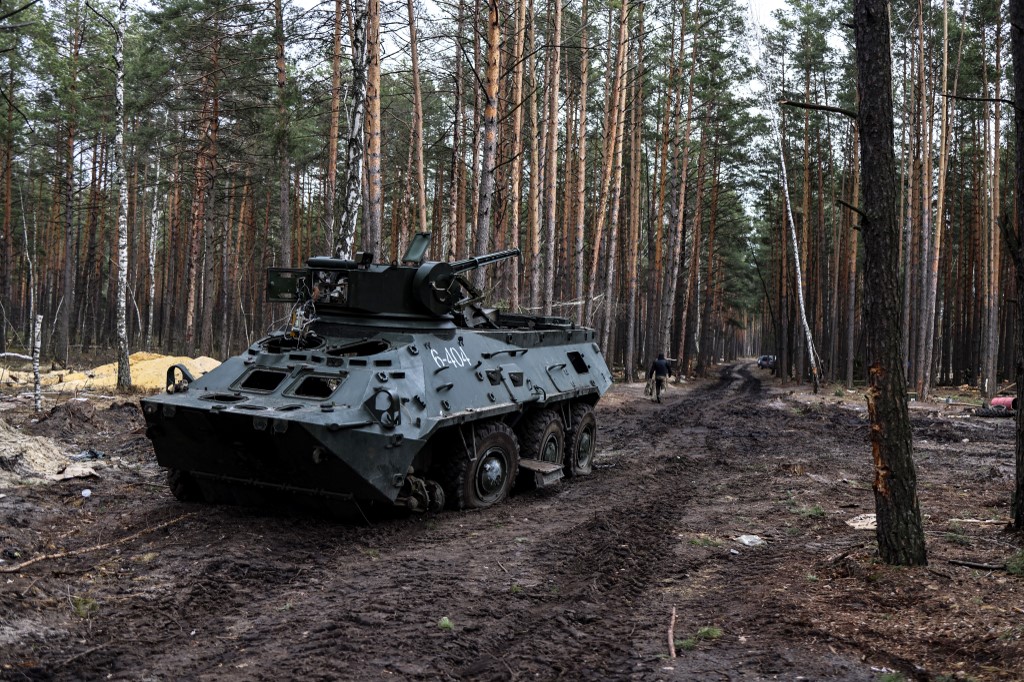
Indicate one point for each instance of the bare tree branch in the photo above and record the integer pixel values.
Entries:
(819, 107)
(102, 16)
(853, 208)
(967, 98)
(14, 106)
(19, 10)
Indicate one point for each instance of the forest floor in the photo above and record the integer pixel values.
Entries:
(578, 582)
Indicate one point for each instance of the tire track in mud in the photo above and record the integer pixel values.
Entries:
(583, 574)
(603, 569)
(609, 616)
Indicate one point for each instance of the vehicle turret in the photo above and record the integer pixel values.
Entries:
(360, 286)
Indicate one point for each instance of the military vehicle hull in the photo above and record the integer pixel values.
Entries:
(392, 409)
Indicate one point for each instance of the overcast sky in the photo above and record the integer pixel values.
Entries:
(763, 8)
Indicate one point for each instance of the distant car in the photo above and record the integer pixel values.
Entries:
(766, 362)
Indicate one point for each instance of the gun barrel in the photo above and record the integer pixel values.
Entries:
(477, 261)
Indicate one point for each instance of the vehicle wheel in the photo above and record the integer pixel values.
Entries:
(435, 496)
(542, 436)
(184, 486)
(582, 441)
(484, 467)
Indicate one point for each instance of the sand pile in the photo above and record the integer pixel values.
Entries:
(23, 456)
(149, 372)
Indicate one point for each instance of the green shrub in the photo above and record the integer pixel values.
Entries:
(1015, 564)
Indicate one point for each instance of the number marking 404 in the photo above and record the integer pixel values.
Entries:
(450, 357)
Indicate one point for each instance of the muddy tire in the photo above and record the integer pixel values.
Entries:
(483, 467)
(184, 486)
(581, 441)
(542, 437)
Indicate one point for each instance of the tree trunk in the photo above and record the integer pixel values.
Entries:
(171, 273)
(923, 371)
(611, 124)
(70, 234)
(373, 215)
(851, 283)
(1017, 53)
(6, 248)
(458, 172)
(417, 124)
(686, 322)
(615, 201)
(124, 370)
(805, 219)
(284, 211)
(633, 243)
(204, 170)
(799, 258)
(517, 137)
(474, 191)
(354, 180)
(211, 245)
(938, 224)
(154, 231)
(991, 381)
(331, 179)
(581, 172)
(551, 167)
(533, 216)
(656, 234)
(482, 236)
(668, 293)
(899, 531)
(705, 351)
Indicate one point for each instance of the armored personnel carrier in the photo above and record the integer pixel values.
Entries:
(390, 385)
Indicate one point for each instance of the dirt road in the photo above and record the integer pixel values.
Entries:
(579, 582)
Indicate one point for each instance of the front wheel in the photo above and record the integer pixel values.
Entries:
(582, 441)
(184, 486)
(486, 464)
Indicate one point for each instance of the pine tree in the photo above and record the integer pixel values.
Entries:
(899, 531)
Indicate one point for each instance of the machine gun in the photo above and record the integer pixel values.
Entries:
(436, 284)
(414, 287)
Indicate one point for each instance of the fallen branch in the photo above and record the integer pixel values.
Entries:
(672, 635)
(94, 548)
(17, 356)
(975, 564)
(83, 653)
(839, 557)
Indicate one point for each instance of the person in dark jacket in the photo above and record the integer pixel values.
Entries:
(660, 370)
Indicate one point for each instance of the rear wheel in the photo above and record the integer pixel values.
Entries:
(484, 466)
(582, 441)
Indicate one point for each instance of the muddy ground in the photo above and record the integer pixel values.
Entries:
(579, 582)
